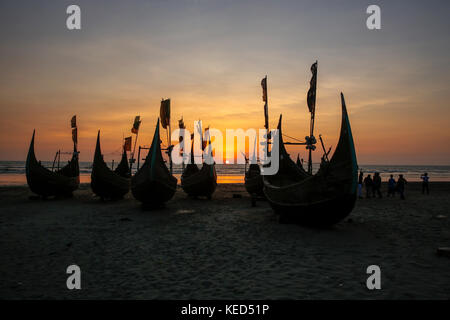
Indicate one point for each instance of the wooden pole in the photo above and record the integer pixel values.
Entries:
(267, 126)
(182, 155)
(169, 151)
(59, 157)
(311, 132)
(132, 154)
(139, 158)
(54, 160)
(182, 152)
(323, 147)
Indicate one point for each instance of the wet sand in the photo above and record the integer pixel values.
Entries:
(220, 249)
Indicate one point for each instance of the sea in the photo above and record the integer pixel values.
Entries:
(12, 173)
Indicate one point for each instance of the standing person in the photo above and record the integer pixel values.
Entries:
(401, 182)
(376, 185)
(391, 186)
(425, 179)
(368, 184)
(360, 183)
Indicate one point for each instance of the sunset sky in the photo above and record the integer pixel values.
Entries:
(209, 56)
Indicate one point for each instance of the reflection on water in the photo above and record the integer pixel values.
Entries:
(12, 179)
(13, 172)
(20, 179)
(224, 178)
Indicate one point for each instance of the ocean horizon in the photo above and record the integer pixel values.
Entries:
(12, 173)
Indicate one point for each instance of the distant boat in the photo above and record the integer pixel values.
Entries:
(199, 182)
(45, 182)
(253, 180)
(153, 184)
(106, 183)
(322, 199)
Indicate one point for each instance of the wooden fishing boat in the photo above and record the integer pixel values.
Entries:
(322, 199)
(199, 182)
(153, 184)
(45, 182)
(253, 180)
(107, 183)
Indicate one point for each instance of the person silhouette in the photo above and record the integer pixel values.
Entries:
(401, 183)
(368, 184)
(360, 184)
(376, 185)
(425, 178)
(391, 186)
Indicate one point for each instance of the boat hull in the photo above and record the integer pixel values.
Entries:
(153, 192)
(109, 187)
(153, 184)
(322, 199)
(200, 183)
(46, 183)
(324, 213)
(105, 182)
(254, 184)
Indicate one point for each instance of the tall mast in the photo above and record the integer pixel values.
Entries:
(200, 130)
(181, 126)
(132, 154)
(266, 113)
(165, 122)
(59, 157)
(135, 130)
(311, 99)
(169, 143)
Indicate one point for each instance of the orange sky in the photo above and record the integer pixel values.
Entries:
(209, 58)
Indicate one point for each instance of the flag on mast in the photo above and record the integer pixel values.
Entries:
(73, 124)
(181, 126)
(264, 87)
(75, 135)
(127, 144)
(311, 97)
(165, 113)
(136, 124)
(73, 121)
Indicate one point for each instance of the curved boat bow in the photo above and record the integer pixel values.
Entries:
(106, 183)
(322, 199)
(45, 182)
(153, 184)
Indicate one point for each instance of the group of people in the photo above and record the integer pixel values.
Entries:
(373, 185)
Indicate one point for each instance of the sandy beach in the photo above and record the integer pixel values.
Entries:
(220, 249)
